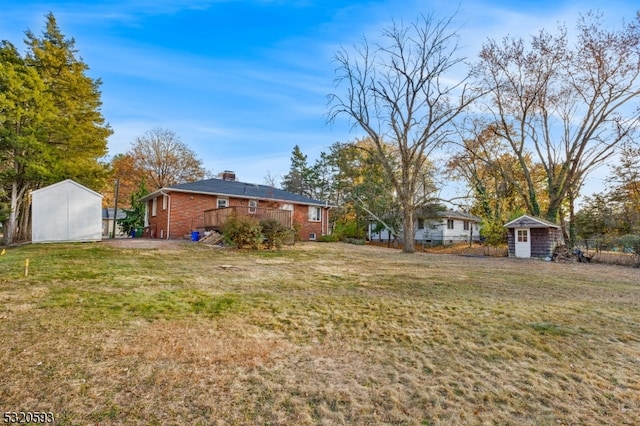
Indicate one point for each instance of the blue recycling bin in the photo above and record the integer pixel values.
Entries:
(195, 235)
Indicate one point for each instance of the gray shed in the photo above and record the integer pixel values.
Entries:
(530, 236)
(66, 211)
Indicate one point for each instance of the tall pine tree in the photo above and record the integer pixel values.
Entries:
(301, 178)
(51, 127)
(25, 160)
(79, 133)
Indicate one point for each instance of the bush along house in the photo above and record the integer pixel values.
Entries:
(180, 211)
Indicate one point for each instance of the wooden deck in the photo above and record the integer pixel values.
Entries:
(213, 219)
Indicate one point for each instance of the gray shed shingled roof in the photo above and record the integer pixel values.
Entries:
(234, 188)
(526, 221)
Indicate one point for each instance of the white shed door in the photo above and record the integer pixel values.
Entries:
(523, 242)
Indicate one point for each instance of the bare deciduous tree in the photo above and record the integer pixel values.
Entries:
(567, 108)
(165, 160)
(397, 93)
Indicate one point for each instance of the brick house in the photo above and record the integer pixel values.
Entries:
(176, 211)
(530, 236)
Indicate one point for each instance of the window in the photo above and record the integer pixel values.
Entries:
(312, 237)
(164, 202)
(315, 214)
(523, 236)
(222, 203)
(154, 206)
(449, 223)
(253, 204)
(466, 225)
(288, 207)
(420, 223)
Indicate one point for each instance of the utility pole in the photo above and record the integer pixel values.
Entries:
(115, 208)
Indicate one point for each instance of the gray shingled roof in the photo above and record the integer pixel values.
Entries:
(526, 221)
(107, 213)
(450, 214)
(239, 189)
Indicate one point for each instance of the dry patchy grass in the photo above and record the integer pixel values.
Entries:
(316, 334)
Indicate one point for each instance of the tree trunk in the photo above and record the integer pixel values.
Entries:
(572, 229)
(24, 227)
(11, 224)
(407, 231)
(15, 226)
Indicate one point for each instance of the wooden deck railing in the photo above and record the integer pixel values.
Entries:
(213, 219)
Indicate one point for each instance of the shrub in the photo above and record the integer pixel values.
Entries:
(242, 231)
(274, 232)
(356, 241)
(348, 230)
(331, 238)
(494, 233)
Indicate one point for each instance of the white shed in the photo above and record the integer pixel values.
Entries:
(66, 211)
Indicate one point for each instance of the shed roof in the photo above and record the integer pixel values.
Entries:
(66, 182)
(526, 221)
(237, 189)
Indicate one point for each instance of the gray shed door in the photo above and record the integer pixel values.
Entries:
(523, 242)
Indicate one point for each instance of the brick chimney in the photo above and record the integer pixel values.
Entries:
(228, 175)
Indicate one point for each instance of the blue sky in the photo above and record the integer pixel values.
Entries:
(242, 82)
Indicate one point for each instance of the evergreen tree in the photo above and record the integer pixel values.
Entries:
(51, 127)
(301, 178)
(78, 134)
(25, 160)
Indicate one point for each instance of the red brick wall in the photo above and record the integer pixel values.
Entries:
(187, 215)
(307, 227)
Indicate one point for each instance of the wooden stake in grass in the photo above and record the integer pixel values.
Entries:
(26, 267)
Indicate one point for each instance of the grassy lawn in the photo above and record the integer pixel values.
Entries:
(315, 334)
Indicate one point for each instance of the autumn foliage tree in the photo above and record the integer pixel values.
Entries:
(163, 159)
(497, 183)
(128, 178)
(563, 105)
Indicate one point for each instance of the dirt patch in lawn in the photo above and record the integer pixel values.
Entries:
(145, 243)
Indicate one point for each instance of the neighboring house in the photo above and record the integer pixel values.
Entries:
(66, 211)
(107, 222)
(451, 227)
(177, 211)
(530, 236)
